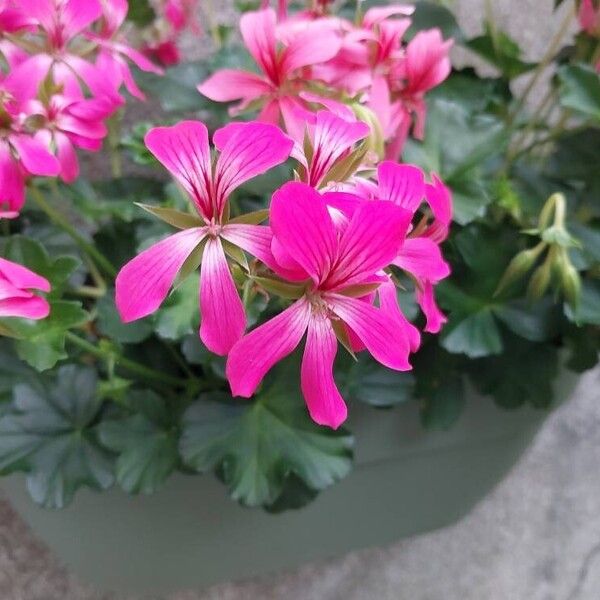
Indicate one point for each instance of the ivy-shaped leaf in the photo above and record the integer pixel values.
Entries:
(49, 433)
(145, 441)
(110, 324)
(580, 90)
(523, 373)
(256, 447)
(179, 315)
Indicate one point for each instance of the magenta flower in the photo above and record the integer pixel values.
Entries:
(286, 69)
(114, 52)
(589, 18)
(246, 150)
(16, 297)
(331, 139)
(420, 255)
(337, 264)
(21, 154)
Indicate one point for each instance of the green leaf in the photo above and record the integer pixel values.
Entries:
(140, 12)
(31, 254)
(580, 89)
(584, 346)
(49, 433)
(110, 324)
(444, 405)
(431, 14)
(172, 216)
(179, 315)
(146, 443)
(13, 371)
(475, 334)
(42, 343)
(500, 50)
(458, 144)
(534, 321)
(522, 374)
(367, 381)
(256, 447)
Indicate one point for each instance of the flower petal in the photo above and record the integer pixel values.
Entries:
(370, 242)
(325, 403)
(143, 283)
(223, 319)
(255, 239)
(183, 149)
(12, 190)
(254, 355)
(426, 300)
(258, 31)
(403, 185)
(388, 303)
(34, 155)
(384, 338)
(67, 157)
(302, 225)
(231, 84)
(27, 308)
(251, 149)
(22, 277)
(317, 44)
(422, 257)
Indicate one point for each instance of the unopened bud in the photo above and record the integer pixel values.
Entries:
(519, 266)
(570, 280)
(540, 281)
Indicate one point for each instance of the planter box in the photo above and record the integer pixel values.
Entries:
(190, 535)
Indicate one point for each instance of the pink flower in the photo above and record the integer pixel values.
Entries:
(21, 154)
(183, 14)
(337, 264)
(286, 70)
(70, 123)
(246, 150)
(589, 18)
(166, 53)
(331, 139)
(420, 256)
(114, 52)
(16, 297)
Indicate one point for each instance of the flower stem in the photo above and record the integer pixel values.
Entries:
(61, 222)
(126, 363)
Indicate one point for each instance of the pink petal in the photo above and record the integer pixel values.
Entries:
(384, 338)
(258, 31)
(67, 157)
(295, 116)
(317, 44)
(380, 103)
(375, 15)
(22, 277)
(143, 283)
(439, 199)
(427, 60)
(333, 137)
(301, 223)
(254, 355)
(403, 185)
(223, 319)
(388, 302)
(34, 155)
(78, 14)
(24, 80)
(183, 149)
(252, 149)
(255, 239)
(325, 403)
(27, 308)
(423, 258)
(426, 299)
(12, 190)
(230, 84)
(370, 243)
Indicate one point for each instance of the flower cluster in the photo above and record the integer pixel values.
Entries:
(312, 58)
(339, 239)
(174, 17)
(66, 61)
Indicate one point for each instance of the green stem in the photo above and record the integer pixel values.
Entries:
(87, 291)
(212, 24)
(126, 363)
(114, 139)
(61, 222)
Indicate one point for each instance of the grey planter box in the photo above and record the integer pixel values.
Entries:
(190, 534)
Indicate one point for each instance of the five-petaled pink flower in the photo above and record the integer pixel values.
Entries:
(286, 69)
(16, 297)
(337, 264)
(246, 150)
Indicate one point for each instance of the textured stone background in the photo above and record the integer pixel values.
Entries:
(536, 537)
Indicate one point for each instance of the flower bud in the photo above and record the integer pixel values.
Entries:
(539, 283)
(518, 266)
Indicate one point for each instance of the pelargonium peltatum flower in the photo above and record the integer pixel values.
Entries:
(339, 265)
(246, 150)
(21, 153)
(16, 296)
(286, 69)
